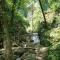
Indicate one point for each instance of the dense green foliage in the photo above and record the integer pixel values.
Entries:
(21, 17)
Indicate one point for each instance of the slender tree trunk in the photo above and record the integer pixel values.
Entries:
(7, 41)
(45, 22)
(7, 44)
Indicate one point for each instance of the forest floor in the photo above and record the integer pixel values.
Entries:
(40, 53)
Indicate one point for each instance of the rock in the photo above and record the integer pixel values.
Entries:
(18, 59)
(39, 58)
(44, 49)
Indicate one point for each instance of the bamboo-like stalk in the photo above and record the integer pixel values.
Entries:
(45, 22)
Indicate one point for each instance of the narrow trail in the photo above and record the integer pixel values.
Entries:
(42, 53)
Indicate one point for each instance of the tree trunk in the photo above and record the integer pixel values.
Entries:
(7, 45)
(7, 41)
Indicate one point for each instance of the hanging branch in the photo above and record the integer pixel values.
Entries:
(45, 22)
(12, 14)
(12, 11)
